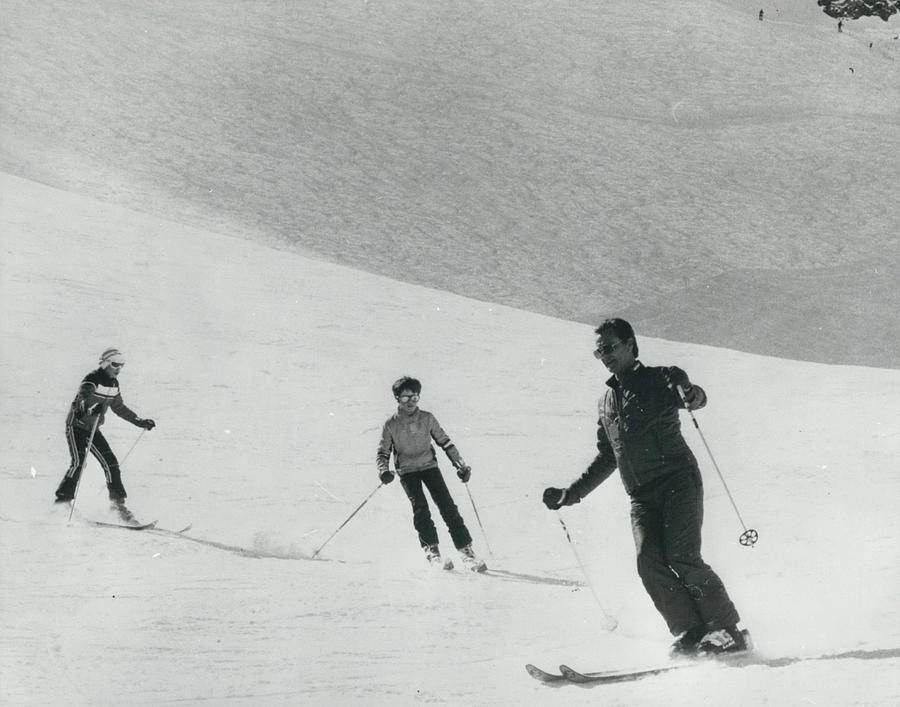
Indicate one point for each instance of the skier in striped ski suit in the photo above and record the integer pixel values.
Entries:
(98, 392)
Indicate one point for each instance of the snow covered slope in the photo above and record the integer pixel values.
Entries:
(649, 159)
(268, 375)
(219, 188)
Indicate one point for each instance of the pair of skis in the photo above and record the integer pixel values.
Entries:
(141, 526)
(568, 675)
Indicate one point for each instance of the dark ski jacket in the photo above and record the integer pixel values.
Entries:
(98, 387)
(639, 431)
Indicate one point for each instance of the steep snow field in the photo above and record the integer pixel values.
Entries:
(570, 158)
(262, 335)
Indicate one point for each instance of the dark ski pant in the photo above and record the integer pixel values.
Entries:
(413, 483)
(77, 439)
(666, 517)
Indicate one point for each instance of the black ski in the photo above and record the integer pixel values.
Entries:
(613, 676)
(166, 531)
(141, 526)
(543, 676)
(568, 676)
(626, 676)
(531, 578)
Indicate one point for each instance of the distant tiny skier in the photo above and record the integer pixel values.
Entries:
(98, 392)
(840, 25)
(408, 435)
(760, 15)
(639, 431)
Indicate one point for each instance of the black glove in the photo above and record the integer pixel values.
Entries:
(555, 499)
(146, 424)
(679, 379)
(464, 473)
(386, 476)
(94, 409)
(676, 377)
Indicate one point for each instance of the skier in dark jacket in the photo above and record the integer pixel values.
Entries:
(98, 392)
(639, 431)
(408, 435)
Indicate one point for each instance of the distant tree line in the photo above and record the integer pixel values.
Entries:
(854, 9)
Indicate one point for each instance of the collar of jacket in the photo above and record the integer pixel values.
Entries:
(614, 382)
(107, 379)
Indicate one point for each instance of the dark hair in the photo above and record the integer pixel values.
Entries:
(620, 328)
(406, 383)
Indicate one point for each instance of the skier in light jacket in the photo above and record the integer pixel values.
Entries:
(408, 435)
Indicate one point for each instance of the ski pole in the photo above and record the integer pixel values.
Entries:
(347, 521)
(609, 622)
(122, 461)
(478, 518)
(87, 451)
(749, 536)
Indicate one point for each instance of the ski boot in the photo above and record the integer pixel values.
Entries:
(433, 555)
(725, 642)
(66, 492)
(470, 562)
(688, 642)
(118, 505)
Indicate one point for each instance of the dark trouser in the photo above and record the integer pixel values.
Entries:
(432, 478)
(666, 517)
(78, 440)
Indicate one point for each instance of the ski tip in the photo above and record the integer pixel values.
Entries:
(534, 671)
(543, 676)
(571, 674)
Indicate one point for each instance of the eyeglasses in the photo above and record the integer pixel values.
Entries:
(408, 398)
(116, 365)
(604, 349)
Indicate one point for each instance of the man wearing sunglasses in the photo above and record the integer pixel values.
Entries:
(98, 392)
(639, 432)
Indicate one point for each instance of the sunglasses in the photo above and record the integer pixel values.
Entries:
(116, 365)
(407, 398)
(604, 349)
